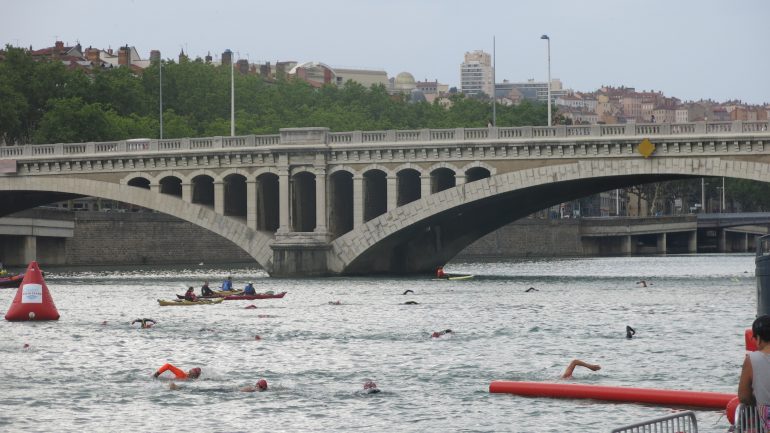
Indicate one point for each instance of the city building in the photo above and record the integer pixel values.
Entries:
(476, 75)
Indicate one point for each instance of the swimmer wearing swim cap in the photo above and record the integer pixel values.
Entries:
(261, 385)
(370, 387)
(193, 373)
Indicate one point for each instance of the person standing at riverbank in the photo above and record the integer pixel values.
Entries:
(754, 383)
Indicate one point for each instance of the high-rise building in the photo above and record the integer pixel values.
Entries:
(476, 74)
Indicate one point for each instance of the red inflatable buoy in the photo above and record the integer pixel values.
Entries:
(731, 408)
(33, 300)
(751, 345)
(711, 400)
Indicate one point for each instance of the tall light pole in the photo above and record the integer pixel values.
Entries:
(160, 92)
(232, 94)
(494, 86)
(549, 76)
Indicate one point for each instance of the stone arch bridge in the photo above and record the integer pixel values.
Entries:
(311, 202)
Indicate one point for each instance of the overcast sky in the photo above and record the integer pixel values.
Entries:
(689, 49)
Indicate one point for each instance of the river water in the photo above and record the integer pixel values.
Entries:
(79, 374)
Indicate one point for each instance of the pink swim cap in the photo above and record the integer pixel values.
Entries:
(369, 385)
(195, 372)
(262, 384)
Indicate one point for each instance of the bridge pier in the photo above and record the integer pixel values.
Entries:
(300, 254)
(251, 203)
(29, 249)
(660, 246)
(626, 245)
(692, 242)
(723, 247)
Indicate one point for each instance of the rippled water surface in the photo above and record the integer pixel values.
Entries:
(81, 375)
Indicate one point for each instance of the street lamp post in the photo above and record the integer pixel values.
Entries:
(549, 76)
(160, 92)
(232, 95)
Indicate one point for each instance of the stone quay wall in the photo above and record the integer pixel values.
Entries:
(111, 238)
(108, 238)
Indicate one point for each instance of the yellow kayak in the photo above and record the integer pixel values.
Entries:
(166, 303)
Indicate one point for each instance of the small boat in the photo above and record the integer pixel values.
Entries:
(166, 303)
(454, 277)
(266, 295)
(11, 280)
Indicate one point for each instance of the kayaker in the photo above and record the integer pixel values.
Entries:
(193, 373)
(190, 295)
(146, 323)
(227, 284)
(576, 362)
(249, 289)
(206, 290)
(440, 272)
(261, 385)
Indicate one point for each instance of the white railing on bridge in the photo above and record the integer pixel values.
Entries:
(145, 145)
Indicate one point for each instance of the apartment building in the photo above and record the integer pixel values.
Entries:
(476, 74)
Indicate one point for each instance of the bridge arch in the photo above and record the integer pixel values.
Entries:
(256, 244)
(230, 171)
(430, 231)
(126, 180)
(235, 194)
(170, 184)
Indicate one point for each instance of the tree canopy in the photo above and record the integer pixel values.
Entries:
(46, 102)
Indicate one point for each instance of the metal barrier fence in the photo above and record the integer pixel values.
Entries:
(748, 420)
(683, 422)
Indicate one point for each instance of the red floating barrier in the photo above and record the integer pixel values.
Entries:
(748, 337)
(710, 400)
(33, 300)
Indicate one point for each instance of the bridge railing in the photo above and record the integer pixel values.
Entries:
(324, 137)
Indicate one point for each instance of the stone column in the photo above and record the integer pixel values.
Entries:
(283, 200)
(358, 201)
(155, 187)
(424, 186)
(745, 245)
(692, 243)
(722, 241)
(251, 203)
(320, 200)
(219, 197)
(29, 252)
(187, 192)
(460, 179)
(661, 243)
(392, 192)
(626, 246)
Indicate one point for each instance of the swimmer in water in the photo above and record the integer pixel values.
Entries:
(532, 289)
(146, 323)
(335, 302)
(408, 291)
(370, 387)
(192, 373)
(410, 303)
(630, 332)
(642, 283)
(576, 362)
(250, 307)
(261, 385)
(440, 333)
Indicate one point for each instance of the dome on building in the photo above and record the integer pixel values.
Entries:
(405, 82)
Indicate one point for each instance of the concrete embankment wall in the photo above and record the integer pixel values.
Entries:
(530, 238)
(151, 238)
(105, 238)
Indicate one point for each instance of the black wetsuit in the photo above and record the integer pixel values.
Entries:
(206, 291)
(630, 332)
(143, 322)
